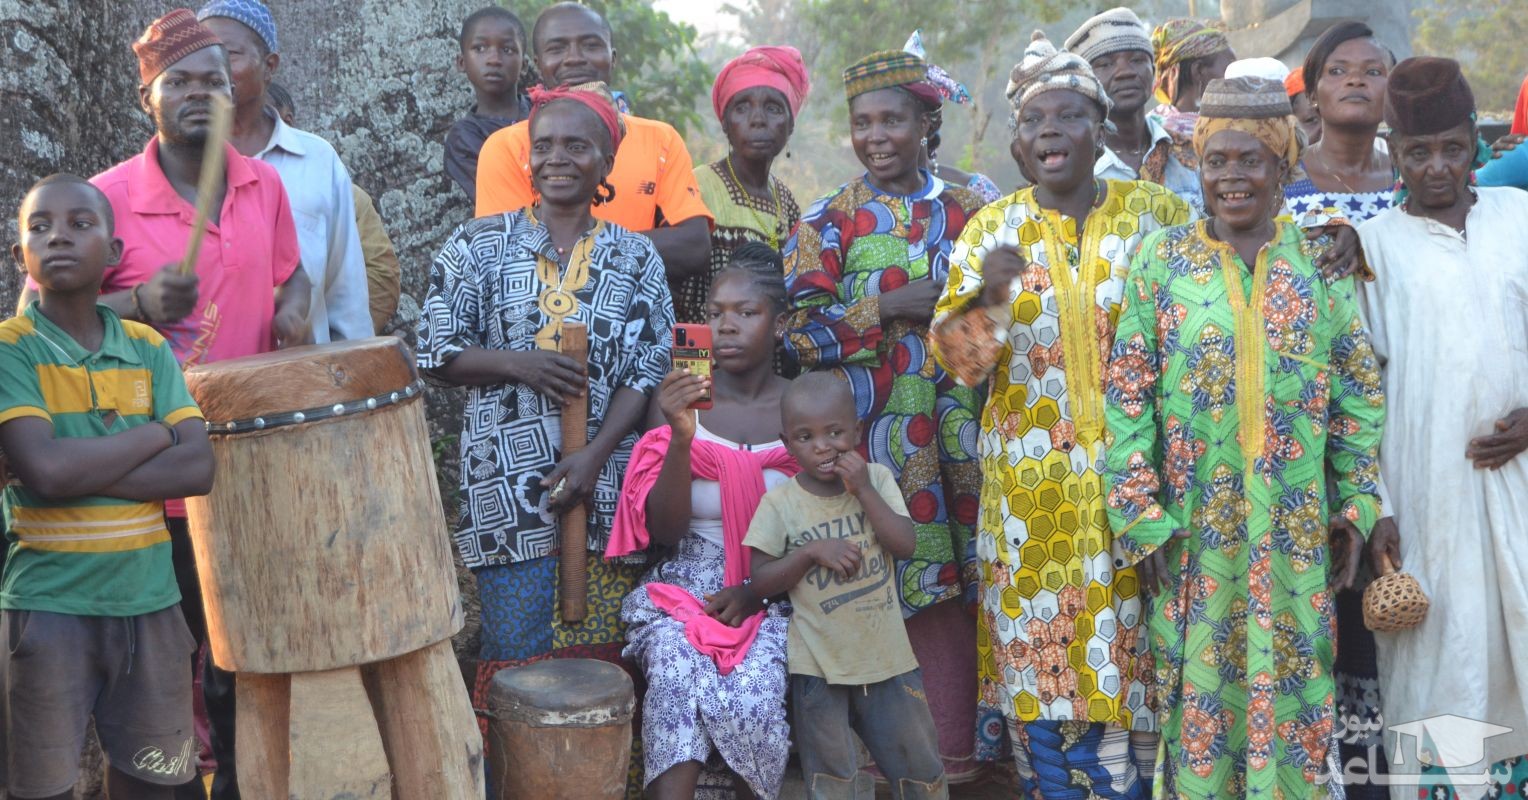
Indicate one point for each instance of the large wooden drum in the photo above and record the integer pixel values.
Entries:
(560, 728)
(323, 543)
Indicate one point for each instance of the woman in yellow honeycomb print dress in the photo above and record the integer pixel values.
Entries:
(1057, 640)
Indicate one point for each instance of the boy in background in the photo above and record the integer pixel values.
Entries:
(492, 56)
(98, 428)
(828, 537)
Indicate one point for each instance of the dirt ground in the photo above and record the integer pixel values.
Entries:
(996, 785)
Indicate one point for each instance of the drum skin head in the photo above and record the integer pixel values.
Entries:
(563, 692)
(301, 377)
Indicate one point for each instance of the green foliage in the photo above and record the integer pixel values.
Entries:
(1487, 37)
(656, 63)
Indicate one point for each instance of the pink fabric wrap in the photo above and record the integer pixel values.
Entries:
(779, 68)
(593, 96)
(741, 475)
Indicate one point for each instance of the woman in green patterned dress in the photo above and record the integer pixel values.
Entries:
(1238, 377)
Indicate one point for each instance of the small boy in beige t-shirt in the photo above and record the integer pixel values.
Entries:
(829, 537)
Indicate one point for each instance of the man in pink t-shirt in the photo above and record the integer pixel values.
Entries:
(246, 295)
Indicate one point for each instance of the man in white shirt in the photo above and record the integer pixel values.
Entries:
(1117, 45)
(316, 181)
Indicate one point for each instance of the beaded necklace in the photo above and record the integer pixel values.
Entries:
(771, 231)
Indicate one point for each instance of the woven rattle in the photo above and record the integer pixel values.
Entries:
(1394, 601)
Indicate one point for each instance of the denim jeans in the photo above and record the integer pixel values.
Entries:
(892, 719)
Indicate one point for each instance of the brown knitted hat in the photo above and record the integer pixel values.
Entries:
(1245, 97)
(1427, 95)
(169, 39)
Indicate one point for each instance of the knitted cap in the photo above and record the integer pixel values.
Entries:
(1044, 69)
(1255, 106)
(169, 39)
(882, 70)
(1110, 32)
(1427, 95)
(252, 13)
(1244, 98)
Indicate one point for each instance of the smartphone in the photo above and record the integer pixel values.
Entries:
(692, 351)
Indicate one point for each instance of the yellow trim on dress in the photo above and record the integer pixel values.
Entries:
(1076, 298)
(1251, 360)
(558, 299)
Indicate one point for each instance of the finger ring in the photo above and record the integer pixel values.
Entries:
(557, 490)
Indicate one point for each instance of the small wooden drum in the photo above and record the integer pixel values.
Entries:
(323, 543)
(560, 728)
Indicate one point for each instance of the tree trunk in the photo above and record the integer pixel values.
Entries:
(375, 78)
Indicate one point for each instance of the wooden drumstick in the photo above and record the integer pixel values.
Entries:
(573, 562)
(213, 158)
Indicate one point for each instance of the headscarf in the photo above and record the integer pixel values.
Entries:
(1178, 41)
(1256, 106)
(169, 39)
(252, 13)
(1113, 31)
(888, 68)
(779, 68)
(950, 89)
(1045, 69)
(594, 96)
(1294, 83)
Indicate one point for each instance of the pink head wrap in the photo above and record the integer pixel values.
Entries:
(595, 96)
(779, 68)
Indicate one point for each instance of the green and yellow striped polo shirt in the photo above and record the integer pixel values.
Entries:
(98, 556)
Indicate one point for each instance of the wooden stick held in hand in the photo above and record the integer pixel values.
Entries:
(213, 159)
(573, 561)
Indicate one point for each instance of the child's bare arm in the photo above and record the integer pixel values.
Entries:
(770, 576)
(894, 531)
(184, 470)
(63, 468)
